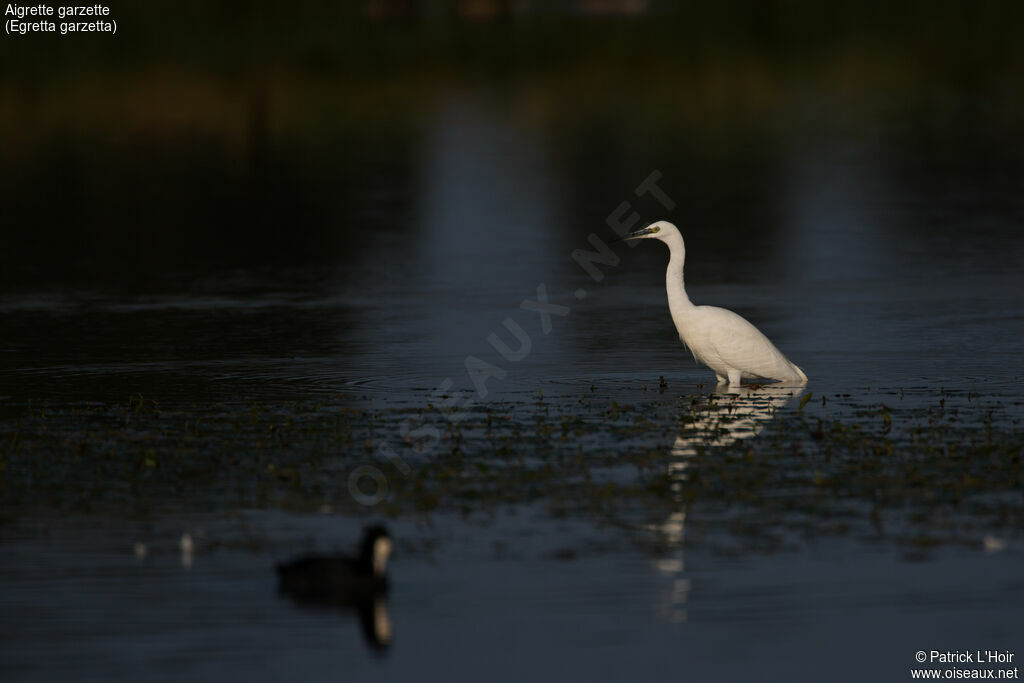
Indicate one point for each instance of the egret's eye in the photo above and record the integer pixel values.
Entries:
(655, 229)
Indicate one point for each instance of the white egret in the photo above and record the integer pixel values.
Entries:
(720, 339)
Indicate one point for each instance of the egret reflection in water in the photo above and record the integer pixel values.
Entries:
(717, 420)
(730, 414)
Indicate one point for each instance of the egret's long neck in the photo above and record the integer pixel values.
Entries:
(678, 302)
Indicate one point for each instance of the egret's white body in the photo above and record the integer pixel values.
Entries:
(720, 339)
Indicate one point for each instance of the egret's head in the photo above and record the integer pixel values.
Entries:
(659, 230)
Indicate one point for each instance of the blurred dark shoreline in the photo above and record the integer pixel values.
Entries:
(200, 130)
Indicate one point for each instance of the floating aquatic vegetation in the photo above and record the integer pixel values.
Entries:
(762, 469)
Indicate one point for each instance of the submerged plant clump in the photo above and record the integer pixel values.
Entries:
(753, 469)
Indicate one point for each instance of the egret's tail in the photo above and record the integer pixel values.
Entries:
(803, 377)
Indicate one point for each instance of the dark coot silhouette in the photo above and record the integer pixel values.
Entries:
(359, 583)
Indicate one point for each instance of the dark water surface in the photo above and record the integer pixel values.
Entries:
(209, 330)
